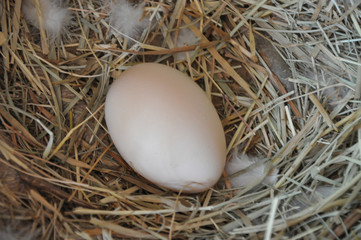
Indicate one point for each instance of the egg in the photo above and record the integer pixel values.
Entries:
(166, 128)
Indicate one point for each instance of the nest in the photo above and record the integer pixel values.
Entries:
(284, 76)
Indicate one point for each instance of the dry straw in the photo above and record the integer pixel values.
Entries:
(285, 77)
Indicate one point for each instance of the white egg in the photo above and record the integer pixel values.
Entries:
(166, 128)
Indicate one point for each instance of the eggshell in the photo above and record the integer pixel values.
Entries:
(166, 128)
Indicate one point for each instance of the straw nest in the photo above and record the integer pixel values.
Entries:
(285, 77)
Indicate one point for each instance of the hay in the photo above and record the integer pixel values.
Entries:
(285, 77)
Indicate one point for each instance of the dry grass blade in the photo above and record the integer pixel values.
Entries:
(125, 232)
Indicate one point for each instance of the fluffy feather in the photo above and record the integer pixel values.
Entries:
(324, 191)
(335, 95)
(248, 170)
(307, 199)
(332, 93)
(185, 38)
(127, 19)
(55, 16)
(17, 231)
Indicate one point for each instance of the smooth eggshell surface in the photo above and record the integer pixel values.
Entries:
(166, 128)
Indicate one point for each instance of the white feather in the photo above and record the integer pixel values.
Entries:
(17, 231)
(324, 191)
(307, 199)
(186, 37)
(128, 19)
(331, 90)
(55, 16)
(337, 94)
(252, 171)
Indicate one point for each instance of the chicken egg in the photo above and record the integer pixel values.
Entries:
(166, 128)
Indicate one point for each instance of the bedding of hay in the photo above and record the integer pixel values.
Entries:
(284, 76)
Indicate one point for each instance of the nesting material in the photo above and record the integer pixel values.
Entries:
(62, 173)
(54, 15)
(245, 170)
(128, 19)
